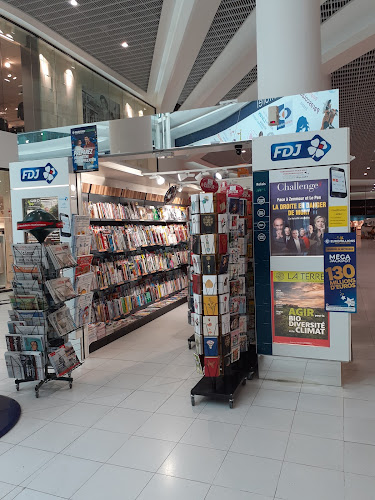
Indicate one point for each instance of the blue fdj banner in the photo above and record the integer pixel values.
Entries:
(35, 174)
(340, 274)
(315, 148)
(85, 148)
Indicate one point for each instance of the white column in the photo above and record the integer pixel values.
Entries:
(288, 47)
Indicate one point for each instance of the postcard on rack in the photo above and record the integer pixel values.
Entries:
(197, 283)
(195, 224)
(196, 262)
(222, 223)
(224, 301)
(242, 287)
(209, 264)
(209, 284)
(243, 324)
(235, 355)
(223, 265)
(234, 206)
(243, 343)
(208, 244)
(234, 270)
(212, 366)
(198, 323)
(195, 243)
(221, 203)
(234, 305)
(226, 344)
(83, 283)
(241, 227)
(210, 305)
(233, 222)
(233, 256)
(211, 326)
(199, 344)
(242, 301)
(223, 243)
(206, 203)
(223, 283)
(234, 322)
(242, 246)
(208, 224)
(234, 288)
(242, 266)
(225, 324)
(194, 204)
(197, 303)
(235, 338)
(211, 346)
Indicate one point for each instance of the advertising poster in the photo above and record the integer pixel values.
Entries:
(85, 148)
(340, 277)
(299, 216)
(298, 314)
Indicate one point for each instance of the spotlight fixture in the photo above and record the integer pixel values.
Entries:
(368, 168)
(199, 177)
(182, 176)
(10, 75)
(243, 150)
(180, 188)
(160, 180)
(365, 173)
(218, 176)
(125, 45)
(7, 65)
(14, 78)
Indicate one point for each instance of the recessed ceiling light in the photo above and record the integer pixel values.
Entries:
(218, 176)
(125, 45)
(10, 75)
(368, 168)
(6, 79)
(14, 78)
(243, 150)
(74, 3)
(365, 173)
(7, 64)
(160, 180)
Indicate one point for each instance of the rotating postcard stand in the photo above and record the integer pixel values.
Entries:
(40, 320)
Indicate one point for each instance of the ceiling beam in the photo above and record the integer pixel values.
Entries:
(348, 34)
(235, 61)
(182, 29)
(41, 30)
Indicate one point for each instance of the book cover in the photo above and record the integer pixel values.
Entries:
(209, 284)
(226, 344)
(206, 203)
(208, 243)
(211, 326)
(211, 346)
(223, 264)
(210, 305)
(222, 223)
(197, 283)
(224, 303)
(208, 224)
(225, 324)
(223, 243)
(209, 264)
(212, 366)
(221, 203)
(223, 283)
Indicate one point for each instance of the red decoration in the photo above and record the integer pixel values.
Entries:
(235, 191)
(39, 224)
(209, 185)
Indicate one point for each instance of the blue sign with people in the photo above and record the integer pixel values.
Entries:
(85, 148)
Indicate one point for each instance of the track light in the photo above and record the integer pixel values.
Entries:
(160, 180)
(180, 188)
(218, 176)
(199, 177)
(182, 176)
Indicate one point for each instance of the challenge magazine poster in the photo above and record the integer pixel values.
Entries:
(298, 315)
(299, 216)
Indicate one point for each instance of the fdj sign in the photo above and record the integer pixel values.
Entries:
(47, 173)
(315, 149)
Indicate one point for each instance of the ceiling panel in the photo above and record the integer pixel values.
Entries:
(100, 26)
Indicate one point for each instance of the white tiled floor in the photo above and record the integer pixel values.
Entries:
(127, 430)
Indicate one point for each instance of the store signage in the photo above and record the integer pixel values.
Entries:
(85, 148)
(26, 226)
(315, 149)
(209, 185)
(235, 191)
(32, 174)
(340, 274)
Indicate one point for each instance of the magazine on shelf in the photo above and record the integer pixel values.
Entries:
(83, 307)
(27, 365)
(61, 256)
(29, 254)
(21, 328)
(61, 289)
(81, 225)
(83, 265)
(24, 302)
(64, 359)
(82, 245)
(14, 342)
(83, 283)
(62, 321)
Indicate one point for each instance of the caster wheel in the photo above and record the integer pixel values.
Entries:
(244, 382)
(231, 403)
(189, 345)
(18, 387)
(192, 400)
(250, 376)
(37, 394)
(70, 385)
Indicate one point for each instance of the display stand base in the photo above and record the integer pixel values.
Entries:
(49, 378)
(223, 387)
(136, 324)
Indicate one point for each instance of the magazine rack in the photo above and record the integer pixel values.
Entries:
(48, 311)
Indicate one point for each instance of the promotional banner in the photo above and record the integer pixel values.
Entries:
(299, 216)
(298, 314)
(340, 277)
(85, 148)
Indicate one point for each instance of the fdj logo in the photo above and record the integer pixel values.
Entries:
(315, 149)
(47, 173)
